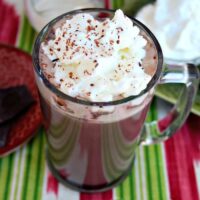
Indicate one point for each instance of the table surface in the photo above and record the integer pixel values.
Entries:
(167, 171)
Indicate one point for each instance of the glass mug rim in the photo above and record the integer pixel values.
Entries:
(52, 88)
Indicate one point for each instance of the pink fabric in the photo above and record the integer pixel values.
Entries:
(97, 196)
(181, 151)
(107, 4)
(52, 184)
(9, 22)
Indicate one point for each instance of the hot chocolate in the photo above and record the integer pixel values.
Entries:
(97, 66)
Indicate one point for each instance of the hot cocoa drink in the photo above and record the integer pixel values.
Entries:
(100, 68)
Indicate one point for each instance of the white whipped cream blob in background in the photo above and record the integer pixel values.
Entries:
(40, 12)
(98, 61)
(176, 24)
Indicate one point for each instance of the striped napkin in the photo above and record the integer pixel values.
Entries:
(167, 171)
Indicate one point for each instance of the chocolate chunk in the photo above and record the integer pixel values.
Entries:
(4, 132)
(14, 101)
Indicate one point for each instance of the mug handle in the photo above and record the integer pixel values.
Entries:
(160, 130)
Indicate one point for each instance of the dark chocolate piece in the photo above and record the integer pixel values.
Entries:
(4, 132)
(14, 101)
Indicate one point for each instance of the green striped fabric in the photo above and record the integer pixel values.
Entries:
(22, 174)
(148, 180)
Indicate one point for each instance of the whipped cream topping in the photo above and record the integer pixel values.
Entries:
(98, 60)
(175, 23)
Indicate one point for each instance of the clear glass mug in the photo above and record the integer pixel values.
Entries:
(91, 145)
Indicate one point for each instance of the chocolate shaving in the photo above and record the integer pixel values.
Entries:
(55, 60)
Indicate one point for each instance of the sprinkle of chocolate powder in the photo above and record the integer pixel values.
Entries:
(118, 41)
(120, 28)
(92, 84)
(55, 60)
(140, 64)
(63, 34)
(111, 42)
(61, 80)
(70, 74)
(89, 28)
(96, 42)
(68, 42)
(154, 57)
(86, 72)
(89, 21)
(58, 49)
(72, 43)
(68, 85)
(95, 61)
(77, 49)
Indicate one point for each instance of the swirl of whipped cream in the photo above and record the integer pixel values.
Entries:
(98, 60)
